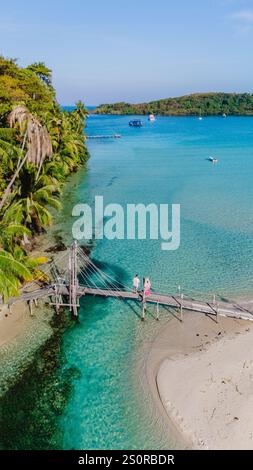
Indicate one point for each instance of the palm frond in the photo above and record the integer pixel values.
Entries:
(12, 266)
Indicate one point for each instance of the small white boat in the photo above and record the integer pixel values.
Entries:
(213, 159)
(151, 117)
(200, 118)
(224, 115)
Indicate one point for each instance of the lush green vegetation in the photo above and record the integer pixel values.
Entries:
(40, 145)
(207, 104)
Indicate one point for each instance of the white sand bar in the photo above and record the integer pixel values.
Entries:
(209, 393)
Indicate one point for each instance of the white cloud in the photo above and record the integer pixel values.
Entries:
(245, 16)
(243, 21)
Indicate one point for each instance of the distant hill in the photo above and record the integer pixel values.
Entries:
(207, 104)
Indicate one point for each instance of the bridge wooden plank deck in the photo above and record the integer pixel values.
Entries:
(227, 309)
(221, 308)
(32, 295)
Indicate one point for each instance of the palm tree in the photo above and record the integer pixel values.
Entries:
(36, 140)
(10, 234)
(67, 143)
(32, 199)
(12, 273)
(81, 113)
(10, 154)
(15, 265)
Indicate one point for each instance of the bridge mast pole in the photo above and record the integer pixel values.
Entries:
(70, 279)
(73, 279)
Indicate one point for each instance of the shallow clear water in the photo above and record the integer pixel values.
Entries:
(163, 162)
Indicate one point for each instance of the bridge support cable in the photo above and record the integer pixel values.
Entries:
(106, 281)
(89, 281)
(88, 273)
(107, 278)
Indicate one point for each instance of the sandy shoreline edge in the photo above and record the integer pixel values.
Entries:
(200, 375)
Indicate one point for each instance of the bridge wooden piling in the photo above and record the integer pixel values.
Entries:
(30, 303)
(157, 311)
(181, 307)
(144, 307)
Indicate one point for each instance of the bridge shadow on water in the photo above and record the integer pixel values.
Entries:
(134, 310)
(132, 305)
(119, 275)
(116, 272)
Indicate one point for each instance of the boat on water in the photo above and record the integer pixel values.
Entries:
(135, 123)
(213, 160)
(200, 118)
(151, 117)
(224, 115)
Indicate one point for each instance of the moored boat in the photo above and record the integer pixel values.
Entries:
(135, 123)
(151, 117)
(213, 159)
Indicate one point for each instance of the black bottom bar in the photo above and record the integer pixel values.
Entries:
(110, 459)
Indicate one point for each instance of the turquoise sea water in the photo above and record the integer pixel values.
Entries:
(163, 162)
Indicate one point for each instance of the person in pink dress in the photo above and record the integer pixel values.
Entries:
(147, 287)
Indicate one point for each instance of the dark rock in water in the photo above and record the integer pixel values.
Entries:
(112, 181)
(57, 248)
(29, 411)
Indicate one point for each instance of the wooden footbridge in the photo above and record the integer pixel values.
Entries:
(83, 277)
(106, 136)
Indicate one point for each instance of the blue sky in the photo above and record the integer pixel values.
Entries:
(133, 50)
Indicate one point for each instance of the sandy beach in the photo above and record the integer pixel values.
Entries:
(200, 375)
(22, 334)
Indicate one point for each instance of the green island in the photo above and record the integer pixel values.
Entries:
(40, 145)
(206, 104)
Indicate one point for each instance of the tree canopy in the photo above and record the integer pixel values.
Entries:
(40, 145)
(42, 71)
(27, 86)
(207, 104)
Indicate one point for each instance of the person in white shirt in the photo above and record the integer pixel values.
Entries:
(136, 283)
